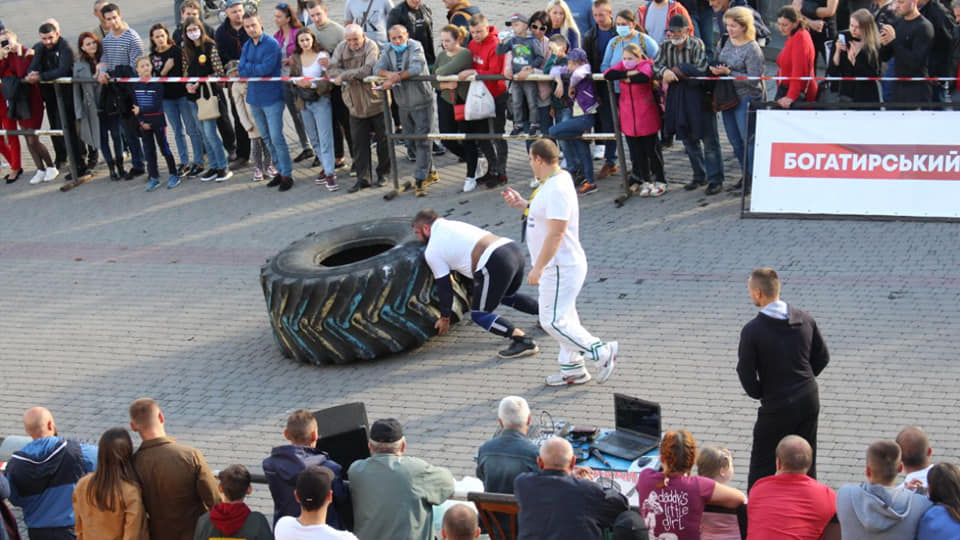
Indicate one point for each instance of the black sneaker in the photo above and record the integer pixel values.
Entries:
(381, 180)
(694, 184)
(306, 154)
(133, 173)
(286, 183)
(411, 154)
(517, 130)
(438, 149)
(358, 186)
(713, 189)
(194, 170)
(519, 346)
(496, 181)
(275, 182)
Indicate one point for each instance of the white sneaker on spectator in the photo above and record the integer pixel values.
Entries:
(50, 173)
(658, 189)
(534, 183)
(482, 166)
(564, 379)
(37, 178)
(606, 360)
(646, 189)
(598, 152)
(469, 184)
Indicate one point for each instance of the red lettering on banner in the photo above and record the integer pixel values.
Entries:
(865, 161)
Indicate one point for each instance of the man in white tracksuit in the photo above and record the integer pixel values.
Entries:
(560, 266)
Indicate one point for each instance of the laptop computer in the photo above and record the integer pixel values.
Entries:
(637, 428)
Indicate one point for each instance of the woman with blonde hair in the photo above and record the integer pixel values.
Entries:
(562, 22)
(107, 502)
(857, 54)
(741, 57)
(675, 494)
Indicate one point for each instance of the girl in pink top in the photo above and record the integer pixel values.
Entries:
(716, 463)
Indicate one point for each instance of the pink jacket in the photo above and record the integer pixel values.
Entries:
(289, 47)
(639, 112)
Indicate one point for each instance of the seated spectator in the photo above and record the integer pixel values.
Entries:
(460, 523)
(107, 503)
(583, 108)
(857, 54)
(504, 457)
(232, 518)
(176, 482)
(942, 520)
(286, 462)
(877, 509)
(562, 500)
(715, 463)
(314, 493)
(43, 474)
(915, 452)
(790, 503)
(672, 501)
(393, 494)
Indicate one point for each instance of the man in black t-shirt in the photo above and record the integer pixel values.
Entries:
(939, 61)
(908, 42)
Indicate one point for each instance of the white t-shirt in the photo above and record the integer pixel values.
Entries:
(376, 25)
(556, 198)
(288, 528)
(451, 246)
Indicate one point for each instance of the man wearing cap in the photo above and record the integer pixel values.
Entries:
(393, 494)
(682, 56)
(314, 493)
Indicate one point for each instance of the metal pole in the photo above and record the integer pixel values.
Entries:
(391, 142)
(618, 136)
(748, 173)
(68, 139)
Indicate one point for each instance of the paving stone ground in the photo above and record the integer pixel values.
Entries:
(112, 294)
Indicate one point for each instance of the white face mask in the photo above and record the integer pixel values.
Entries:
(193, 34)
(677, 41)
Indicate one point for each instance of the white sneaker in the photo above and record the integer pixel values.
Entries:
(223, 175)
(658, 189)
(482, 166)
(469, 184)
(598, 152)
(534, 183)
(646, 189)
(50, 173)
(37, 178)
(606, 361)
(562, 379)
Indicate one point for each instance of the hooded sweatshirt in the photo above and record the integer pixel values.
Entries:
(486, 61)
(281, 469)
(233, 520)
(875, 512)
(42, 477)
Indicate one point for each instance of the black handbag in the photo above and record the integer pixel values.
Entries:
(724, 95)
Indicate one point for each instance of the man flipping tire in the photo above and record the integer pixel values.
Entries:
(552, 222)
(495, 265)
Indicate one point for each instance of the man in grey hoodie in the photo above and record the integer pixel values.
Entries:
(876, 509)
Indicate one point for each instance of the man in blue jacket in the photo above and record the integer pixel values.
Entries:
(261, 57)
(285, 463)
(43, 474)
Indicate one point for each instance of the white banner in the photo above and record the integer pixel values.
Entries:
(869, 163)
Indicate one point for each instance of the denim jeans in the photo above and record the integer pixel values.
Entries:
(735, 124)
(216, 153)
(178, 115)
(704, 154)
(580, 150)
(110, 128)
(318, 121)
(152, 139)
(291, 101)
(131, 140)
(269, 120)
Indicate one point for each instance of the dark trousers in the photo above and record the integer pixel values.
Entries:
(153, 138)
(341, 124)
(243, 140)
(497, 283)
(227, 134)
(51, 533)
(796, 416)
(448, 124)
(110, 129)
(360, 129)
(645, 157)
(69, 127)
(471, 152)
(131, 138)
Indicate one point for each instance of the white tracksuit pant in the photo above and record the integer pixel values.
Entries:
(559, 287)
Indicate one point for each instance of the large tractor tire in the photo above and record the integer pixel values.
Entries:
(356, 292)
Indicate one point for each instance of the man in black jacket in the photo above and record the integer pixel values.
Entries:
(53, 58)
(416, 16)
(561, 500)
(781, 353)
(908, 42)
(939, 61)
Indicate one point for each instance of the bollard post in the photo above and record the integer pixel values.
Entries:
(618, 135)
(67, 139)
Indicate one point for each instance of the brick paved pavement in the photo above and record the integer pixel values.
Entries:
(112, 293)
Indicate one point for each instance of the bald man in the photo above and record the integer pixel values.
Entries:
(460, 523)
(43, 474)
(790, 504)
(561, 500)
(916, 456)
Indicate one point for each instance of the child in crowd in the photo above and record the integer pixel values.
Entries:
(259, 151)
(640, 120)
(525, 56)
(148, 109)
(314, 494)
(553, 95)
(583, 106)
(716, 463)
(233, 518)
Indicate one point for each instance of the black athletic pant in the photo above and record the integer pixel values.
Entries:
(497, 283)
(341, 124)
(645, 157)
(53, 117)
(794, 416)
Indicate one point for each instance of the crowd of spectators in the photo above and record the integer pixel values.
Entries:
(166, 490)
(656, 56)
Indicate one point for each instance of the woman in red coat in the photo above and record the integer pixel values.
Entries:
(15, 61)
(795, 60)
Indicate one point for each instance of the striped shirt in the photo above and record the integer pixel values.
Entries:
(122, 50)
(670, 56)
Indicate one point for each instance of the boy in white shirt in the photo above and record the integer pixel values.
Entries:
(314, 494)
